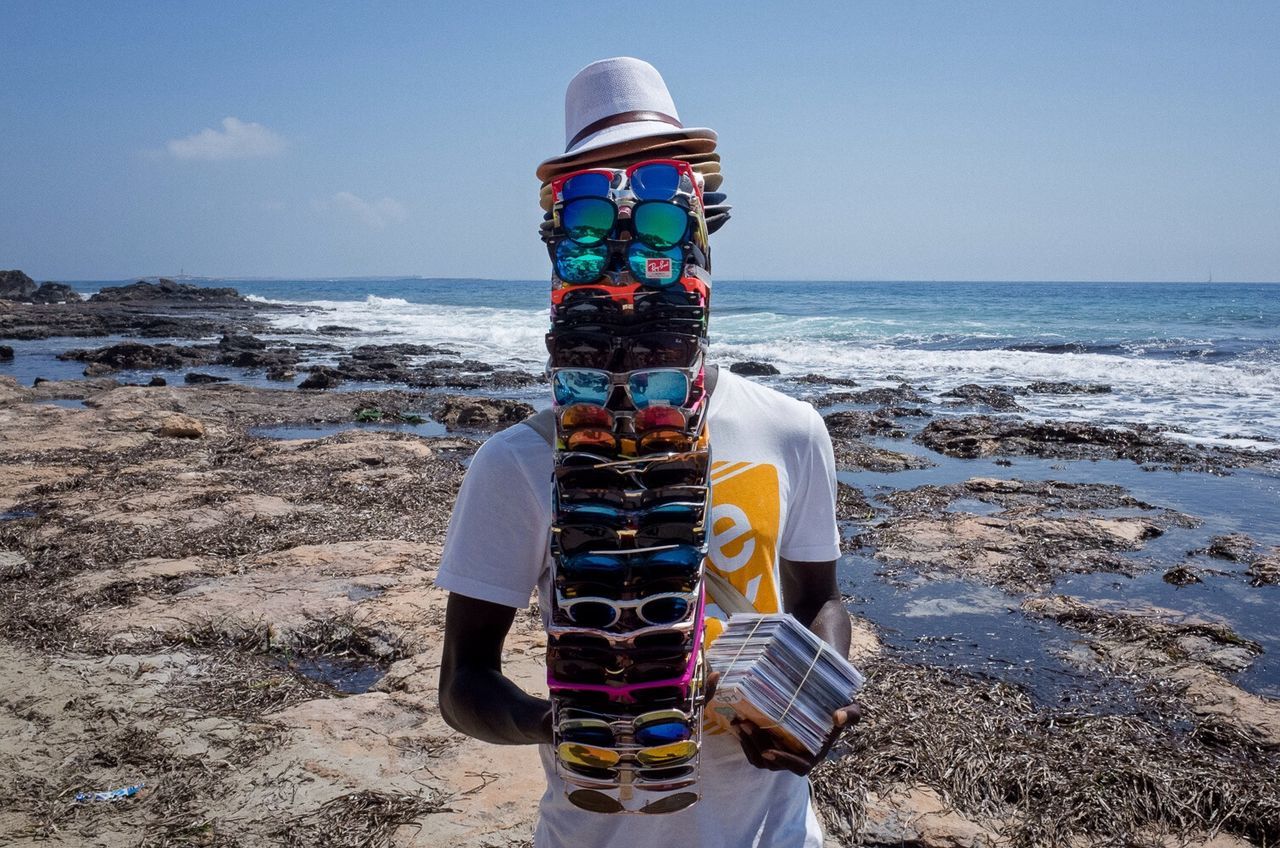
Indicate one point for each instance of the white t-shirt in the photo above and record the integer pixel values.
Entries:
(773, 496)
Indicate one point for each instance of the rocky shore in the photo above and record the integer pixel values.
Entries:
(245, 625)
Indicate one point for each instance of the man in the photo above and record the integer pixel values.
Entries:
(772, 534)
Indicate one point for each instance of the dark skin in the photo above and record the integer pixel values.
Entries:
(478, 700)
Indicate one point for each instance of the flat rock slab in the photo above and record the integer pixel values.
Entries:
(1017, 554)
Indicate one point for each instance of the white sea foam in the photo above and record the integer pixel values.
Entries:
(496, 336)
(1234, 403)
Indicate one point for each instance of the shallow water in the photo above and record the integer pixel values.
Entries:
(349, 676)
(962, 624)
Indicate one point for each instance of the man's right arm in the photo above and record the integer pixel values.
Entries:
(475, 697)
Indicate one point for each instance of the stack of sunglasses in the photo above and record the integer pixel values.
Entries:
(630, 293)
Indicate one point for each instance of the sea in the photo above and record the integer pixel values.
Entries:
(1202, 360)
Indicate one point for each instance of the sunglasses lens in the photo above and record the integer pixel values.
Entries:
(668, 388)
(661, 350)
(658, 225)
(580, 386)
(587, 733)
(585, 415)
(663, 610)
(663, 732)
(580, 349)
(655, 182)
(677, 513)
(669, 804)
(598, 802)
(601, 442)
(592, 614)
(588, 220)
(580, 263)
(667, 755)
(585, 185)
(593, 563)
(663, 441)
(653, 417)
(685, 556)
(655, 267)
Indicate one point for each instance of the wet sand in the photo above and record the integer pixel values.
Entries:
(1068, 641)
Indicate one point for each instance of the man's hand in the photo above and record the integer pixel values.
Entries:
(763, 751)
(761, 747)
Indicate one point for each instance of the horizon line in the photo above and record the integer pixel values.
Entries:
(419, 277)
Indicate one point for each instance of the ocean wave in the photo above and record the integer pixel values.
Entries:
(385, 302)
(1211, 396)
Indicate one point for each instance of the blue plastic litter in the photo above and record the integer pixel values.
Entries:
(111, 794)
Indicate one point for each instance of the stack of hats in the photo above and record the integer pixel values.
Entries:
(627, 238)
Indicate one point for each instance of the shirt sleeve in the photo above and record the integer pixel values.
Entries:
(496, 546)
(811, 533)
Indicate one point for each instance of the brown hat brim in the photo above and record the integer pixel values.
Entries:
(652, 145)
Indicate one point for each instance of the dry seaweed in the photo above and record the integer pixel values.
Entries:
(359, 820)
(1050, 775)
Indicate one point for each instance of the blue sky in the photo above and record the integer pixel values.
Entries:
(1001, 141)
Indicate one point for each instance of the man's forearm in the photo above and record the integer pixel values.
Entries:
(831, 624)
(484, 704)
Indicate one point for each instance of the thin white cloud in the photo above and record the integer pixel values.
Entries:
(375, 213)
(236, 140)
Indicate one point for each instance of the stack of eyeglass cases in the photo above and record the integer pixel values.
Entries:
(630, 299)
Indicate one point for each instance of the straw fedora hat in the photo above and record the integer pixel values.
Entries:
(622, 104)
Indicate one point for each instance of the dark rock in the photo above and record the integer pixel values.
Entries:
(230, 341)
(165, 289)
(852, 425)
(401, 350)
(321, 378)
(905, 412)
(981, 436)
(1235, 547)
(851, 504)
(456, 380)
(887, 396)
(1265, 570)
(996, 397)
(856, 455)
(754, 369)
(137, 356)
(279, 358)
(15, 285)
(335, 330)
(6, 353)
(1047, 387)
(1181, 576)
(478, 413)
(511, 380)
(157, 381)
(824, 380)
(195, 378)
(55, 293)
(281, 374)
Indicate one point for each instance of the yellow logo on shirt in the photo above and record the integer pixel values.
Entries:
(743, 530)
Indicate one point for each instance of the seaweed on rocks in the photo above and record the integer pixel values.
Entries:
(1047, 776)
(982, 436)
